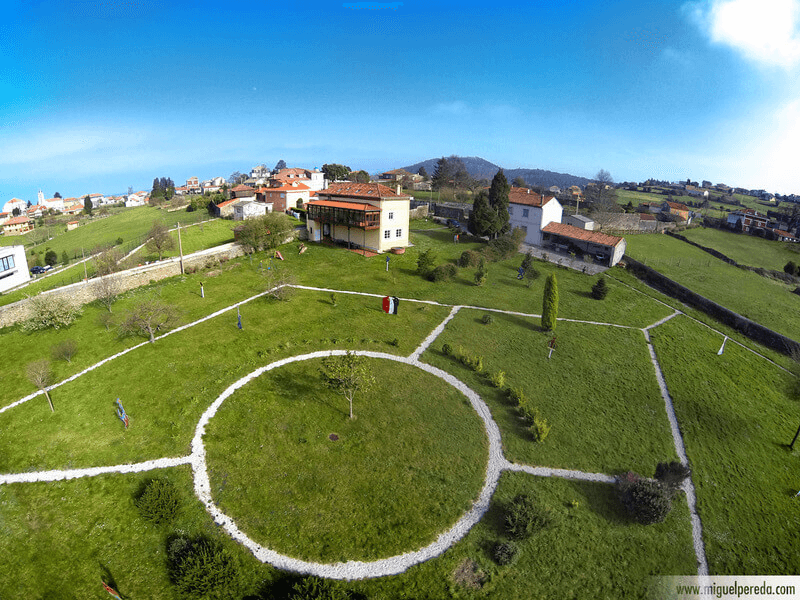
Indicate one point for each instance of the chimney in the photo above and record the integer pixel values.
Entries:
(399, 189)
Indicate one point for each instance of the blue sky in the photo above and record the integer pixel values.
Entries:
(99, 95)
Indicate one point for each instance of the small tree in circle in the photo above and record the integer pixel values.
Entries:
(600, 289)
(550, 303)
(347, 374)
(41, 375)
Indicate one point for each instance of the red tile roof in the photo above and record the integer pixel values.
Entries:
(242, 188)
(783, 233)
(360, 190)
(286, 187)
(350, 205)
(677, 205)
(525, 196)
(17, 221)
(227, 202)
(647, 217)
(576, 233)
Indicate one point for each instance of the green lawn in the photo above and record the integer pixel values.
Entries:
(746, 249)
(770, 303)
(193, 238)
(737, 416)
(404, 470)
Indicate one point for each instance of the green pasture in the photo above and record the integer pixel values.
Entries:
(765, 301)
(737, 413)
(746, 249)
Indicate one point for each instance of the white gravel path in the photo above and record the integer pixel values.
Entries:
(563, 473)
(61, 475)
(688, 486)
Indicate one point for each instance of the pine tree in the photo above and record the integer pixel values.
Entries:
(600, 289)
(440, 174)
(482, 217)
(550, 303)
(498, 200)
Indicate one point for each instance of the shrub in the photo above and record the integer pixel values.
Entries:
(791, 268)
(539, 426)
(394, 342)
(504, 553)
(50, 311)
(119, 241)
(646, 500)
(316, 588)
(550, 303)
(425, 262)
(527, 262)
(517, 396)
(523, 517)
(64, 258)
(469, 258)
(498, 379)
(106, 320)
(672, 474)
(50, 257)
(158, 501)
(65, 350)
(447, 349)
(481, 273)
(487, 319)
(333, 298)
(600, 289)
(444, 273)
(505, 246)
(202, 568)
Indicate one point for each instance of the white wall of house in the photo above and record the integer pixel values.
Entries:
(533, 218)
(248, 209)
(13, 267)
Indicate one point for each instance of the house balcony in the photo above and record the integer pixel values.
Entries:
(345, 217)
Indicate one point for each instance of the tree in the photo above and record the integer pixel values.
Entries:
(149, 316)
(46, 311)
(106, 262)
(600, 289)
(346, 374)
(236, 178)
(423, 173)
(602, 196)
(41, 375)
(482, 272)
(87, 205)
(648, 501)
(65, 350)
(159, 239)
(519, 182)
(50, 257)
(264, 232)
(482, 217)
(106, 290)
(791, 268)
(64, 258)
(498, 201)
(335, 172)
(16, 211)
(550, 303)
(281, 165)
(426, 262)
(450, 173)
(358, 176)
(56, 195)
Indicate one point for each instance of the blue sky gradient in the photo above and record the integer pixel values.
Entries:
(101, 95)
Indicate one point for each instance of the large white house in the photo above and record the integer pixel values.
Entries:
(370, 216)
(531, 212)
(13, 267)
(15, 203)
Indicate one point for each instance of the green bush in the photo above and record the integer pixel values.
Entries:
(600, 289)
(517, 396)
(504, 553)
(425, 262)
(444, 273)
(50, 257)
(65, 350)
(498, 379)
(487, 319)
(50, 311)
(539, 426)
(550, 303)
(672, 474)
(315, 588)
(447, 349)
(647, 501)
(527, 262)
(523, 518)
(469, 258)
(202, 568)
(158, 501)
(791, 268)
(505, 246)
(482, 273)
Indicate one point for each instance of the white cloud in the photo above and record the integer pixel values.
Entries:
(764, 31)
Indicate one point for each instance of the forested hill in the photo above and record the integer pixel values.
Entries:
(482, 169)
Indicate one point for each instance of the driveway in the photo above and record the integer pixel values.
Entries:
(564, 259)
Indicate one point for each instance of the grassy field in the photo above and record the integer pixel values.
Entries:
(405, 468)
(746, 249)
(737, 413)
(770, 303)
(598, 392)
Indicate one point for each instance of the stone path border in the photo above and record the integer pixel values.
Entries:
(497, 462)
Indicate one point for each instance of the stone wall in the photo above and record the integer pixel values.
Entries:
(84, 292)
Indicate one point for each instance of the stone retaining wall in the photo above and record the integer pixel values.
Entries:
(84, 292)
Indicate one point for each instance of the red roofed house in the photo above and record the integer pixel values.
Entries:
(243, 191)
(531, 211)
(17, 225)
(676, 208)
(285, 196)
(750, 219)
(607, 249)
(225, 209)
(365, 215)
(315, 180)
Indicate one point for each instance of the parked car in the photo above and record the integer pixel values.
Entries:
(37, 270)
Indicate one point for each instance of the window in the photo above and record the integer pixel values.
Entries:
(525, 212)
(398, 233)
(391, 216)
(6, 263)
(387, 234)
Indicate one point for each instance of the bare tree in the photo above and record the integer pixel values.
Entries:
(106, 290)
(159, 239)
(279, 284)
(107, 261)
(347, 374)
(41, 375)
(148, 317)
(65, 350)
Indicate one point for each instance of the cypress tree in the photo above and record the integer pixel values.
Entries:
(482, 217)
(498, 200)
(550, 303)
(600, 289)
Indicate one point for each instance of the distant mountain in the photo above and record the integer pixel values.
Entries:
(480, 168)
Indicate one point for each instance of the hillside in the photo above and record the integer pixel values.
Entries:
(480, 168)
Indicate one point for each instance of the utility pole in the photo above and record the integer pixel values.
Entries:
(85, 275)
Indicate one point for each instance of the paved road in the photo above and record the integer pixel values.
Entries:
(564, 259)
